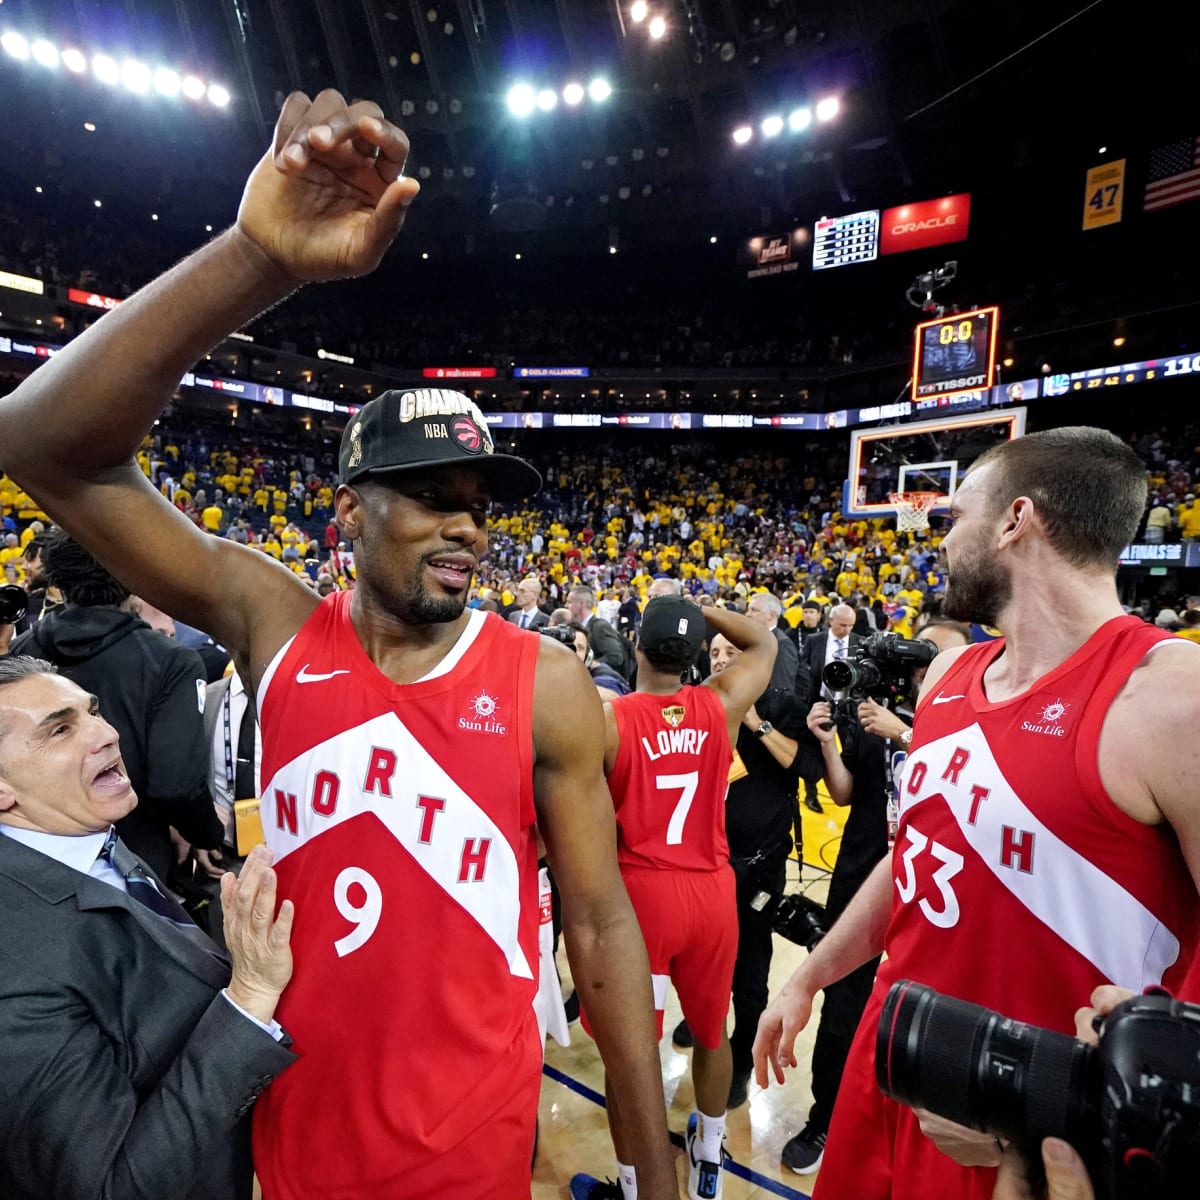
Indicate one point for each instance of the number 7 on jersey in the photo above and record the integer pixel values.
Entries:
(686, 785)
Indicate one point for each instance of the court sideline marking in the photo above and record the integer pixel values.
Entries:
(733, 1167)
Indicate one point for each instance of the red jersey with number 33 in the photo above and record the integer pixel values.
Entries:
(402, 822)
(1018, 882)
(670, 778)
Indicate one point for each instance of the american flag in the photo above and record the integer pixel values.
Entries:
(1174, 174)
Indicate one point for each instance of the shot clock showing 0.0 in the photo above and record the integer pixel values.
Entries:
(955, 354)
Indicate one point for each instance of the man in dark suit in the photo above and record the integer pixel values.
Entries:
(606, 644)
(765, 608)
(839, 641)
(132, 1053)
(527, 614)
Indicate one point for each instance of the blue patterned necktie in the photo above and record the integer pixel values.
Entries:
(140, 886)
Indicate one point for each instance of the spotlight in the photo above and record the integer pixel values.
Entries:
(638, 11)
(547, 98)
(623, 192)
(105, 69)
(135, 76)
(517, 257)
(218, 95)
(98, 203)
(599, 90)
(612, 249)
(424, 254)
(208, 229)
(712, 241)
(772, 126)
(16, 45)
(799, 119)
(89, 126)
(192, 87)
(1045, 368)
(44, 53)
(154, 216)
(658, 27)
(827, 109)
(1118, 341)
(521, 100)
(742, 134)
(1008, 362)
(573, 93)
(74, 60)
(166, 82)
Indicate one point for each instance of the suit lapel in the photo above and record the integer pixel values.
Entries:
(57, 884)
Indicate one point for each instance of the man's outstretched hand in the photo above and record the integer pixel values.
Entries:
(329, 196)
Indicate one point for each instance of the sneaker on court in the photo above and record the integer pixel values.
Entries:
(587, 1187)
(704, 1178)
(681, 1036)
(804, 1152)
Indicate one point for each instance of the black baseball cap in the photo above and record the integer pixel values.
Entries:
(667, 617)
(420, 428)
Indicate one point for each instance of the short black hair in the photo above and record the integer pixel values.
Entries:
(80, 578)
(672, 656)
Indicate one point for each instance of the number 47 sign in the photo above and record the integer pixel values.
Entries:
(1104, 195)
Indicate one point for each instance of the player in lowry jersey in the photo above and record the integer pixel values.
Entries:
(409, 747)
(668, 750)
(1049, 836)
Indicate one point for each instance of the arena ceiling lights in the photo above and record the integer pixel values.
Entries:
(796, 121)
(132, 74)
(523, 99)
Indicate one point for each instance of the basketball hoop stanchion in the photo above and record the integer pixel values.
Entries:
(912, 510)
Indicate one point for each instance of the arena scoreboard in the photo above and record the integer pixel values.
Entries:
(955, 354)
(840, 241)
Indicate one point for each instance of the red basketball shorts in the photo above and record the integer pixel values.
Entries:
(689, 924)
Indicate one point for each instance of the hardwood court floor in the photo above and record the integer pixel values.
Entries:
(573, 1131)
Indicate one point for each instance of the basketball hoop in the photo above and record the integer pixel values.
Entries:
(912, 510)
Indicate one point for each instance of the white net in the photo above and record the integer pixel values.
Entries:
(912, 510)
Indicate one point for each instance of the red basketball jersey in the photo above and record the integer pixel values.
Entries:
(670, 778)
(1020, 885)
(402, 822)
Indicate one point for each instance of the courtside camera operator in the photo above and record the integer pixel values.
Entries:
(873, 741)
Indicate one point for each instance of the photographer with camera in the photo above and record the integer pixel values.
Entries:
(873, 740)
(1049, 826)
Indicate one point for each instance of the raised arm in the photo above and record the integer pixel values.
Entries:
(319, 205)
(604, 944)
(747, 677)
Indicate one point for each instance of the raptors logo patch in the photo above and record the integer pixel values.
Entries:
(467, 434)
(674, 714)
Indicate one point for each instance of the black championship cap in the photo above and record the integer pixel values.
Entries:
(429, 427)
(671, 617)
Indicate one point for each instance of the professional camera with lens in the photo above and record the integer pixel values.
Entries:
(800, 920)
(13, 603)
(559, 633)
(1130, 1106)
(878, 669)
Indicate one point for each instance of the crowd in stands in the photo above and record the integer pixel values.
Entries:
(613, 517)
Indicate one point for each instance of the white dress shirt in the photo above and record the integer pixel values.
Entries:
(235, 697)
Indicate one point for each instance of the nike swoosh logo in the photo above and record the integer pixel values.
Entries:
(947, 699)
(302, 676)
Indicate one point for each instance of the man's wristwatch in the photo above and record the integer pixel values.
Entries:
(765, 728)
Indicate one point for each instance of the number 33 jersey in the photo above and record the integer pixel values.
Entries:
(401, 818)
(1018, 883)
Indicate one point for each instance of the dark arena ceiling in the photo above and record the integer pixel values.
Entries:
(933, 96)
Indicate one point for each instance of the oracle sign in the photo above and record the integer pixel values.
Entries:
(928, 223)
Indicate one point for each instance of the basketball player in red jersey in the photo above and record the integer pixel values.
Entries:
(667, 754)
(1049, 836)
(409, 746)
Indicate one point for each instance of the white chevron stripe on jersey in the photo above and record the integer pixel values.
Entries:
(494, 900)
(1065, 891)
